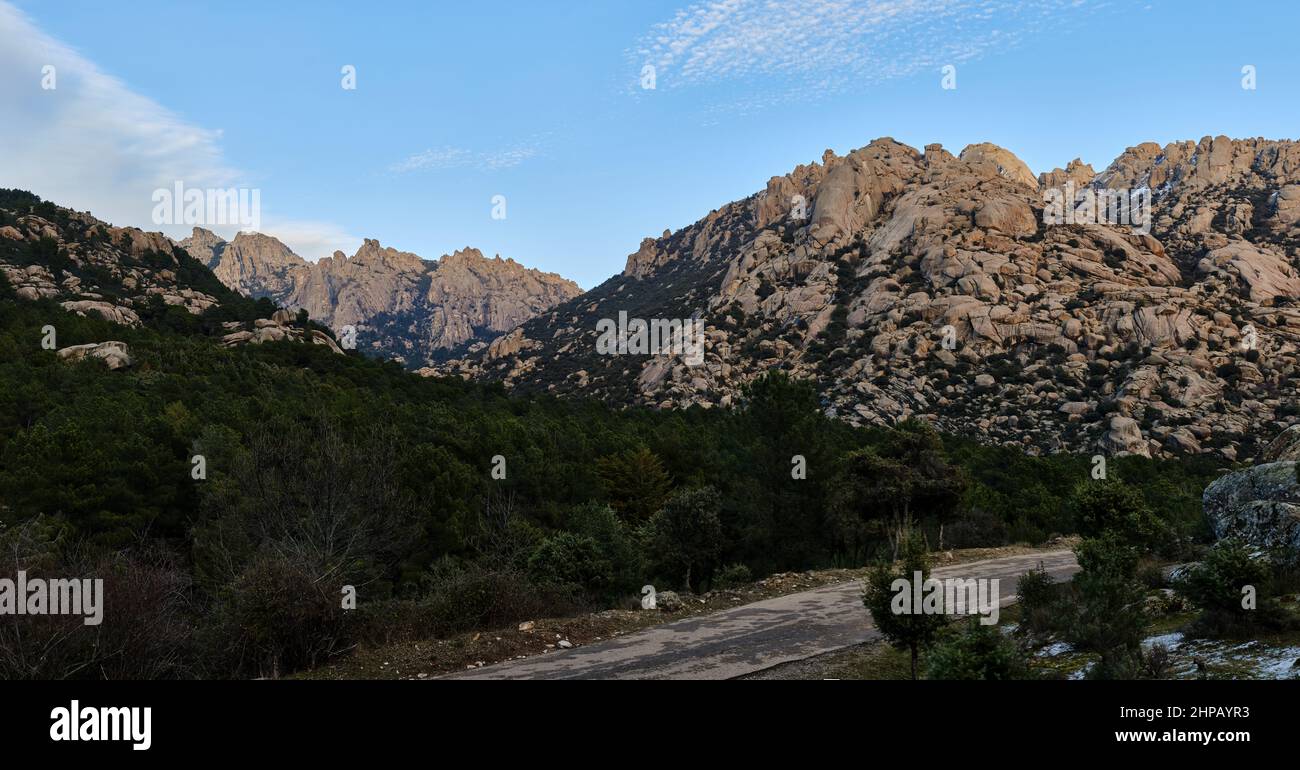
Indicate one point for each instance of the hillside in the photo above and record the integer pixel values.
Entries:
(1082, 337)
(236, 571)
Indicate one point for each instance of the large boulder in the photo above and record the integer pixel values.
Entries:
(1259, 505)
(1125, 438)
(115, 355)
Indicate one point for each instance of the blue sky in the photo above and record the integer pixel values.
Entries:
(540, 102)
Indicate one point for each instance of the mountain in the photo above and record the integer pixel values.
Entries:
(919, 283)
(88, 266)
(402, 306)
(129, 277)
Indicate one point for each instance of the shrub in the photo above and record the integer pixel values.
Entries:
(1218, 587)
(912, 630)
(733, 576)
(1106, 615)
(275, 619)
(1040, 601)
(474, 597)
(976, 651)
(569, 559)
(146, 628)
(616, 542)
(976, 528)
(1113, 506)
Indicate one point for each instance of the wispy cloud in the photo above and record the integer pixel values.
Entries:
(312, 240)
(788, 48)
(93, 144)
(443, 158)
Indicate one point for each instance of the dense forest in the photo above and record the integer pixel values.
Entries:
(227, 495)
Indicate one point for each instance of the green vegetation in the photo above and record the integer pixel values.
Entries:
(910, 630)
(976, 651)
(1238, 591)
(325, 471)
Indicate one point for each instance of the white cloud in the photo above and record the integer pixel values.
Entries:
(313, 240)
(95, 145)
(444, 158)
(787, 48)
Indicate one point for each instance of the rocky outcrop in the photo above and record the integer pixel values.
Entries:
(1285, 447)
(279, 327)
(1003, 162)
(92, 268)
(1076, 171)
(930, 284)
(123, 276)
(115, 355)
(401, 305)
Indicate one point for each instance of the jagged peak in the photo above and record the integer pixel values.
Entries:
(1213, 160)
(205, 235)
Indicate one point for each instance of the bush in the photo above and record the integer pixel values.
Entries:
(976, 528)
(976, 651)
(1040, 599)
(733, 576)
(565, 559)
(1106, 615)
(616, 543)
(1216, 586)
(1113, 506)
(275, 619)
(146, 628)
(912, 630)
(474, 597)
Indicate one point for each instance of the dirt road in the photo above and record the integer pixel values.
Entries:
(752, 637)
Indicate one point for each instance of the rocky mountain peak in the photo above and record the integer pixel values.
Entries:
(1076, 172)
(909, 284)
(403, 306)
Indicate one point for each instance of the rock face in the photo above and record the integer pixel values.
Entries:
(1260, 506)
(923, 283)
(401, 305)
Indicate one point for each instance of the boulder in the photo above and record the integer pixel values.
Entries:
(1259, 505)
(1007, 215)
(1285, 447)
(115, 355)
(319, 337)
(1125, 437)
